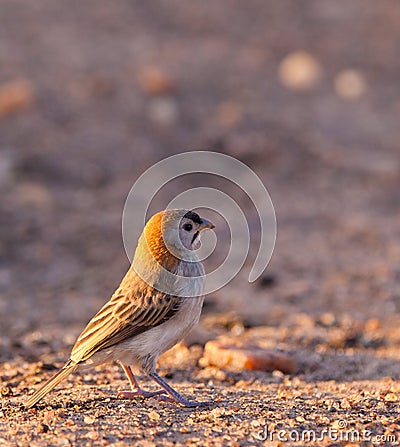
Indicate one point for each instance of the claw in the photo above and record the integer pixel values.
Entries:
(174, 395)
(139, 393)
(137, 390)
(194, 403)
(166, 394)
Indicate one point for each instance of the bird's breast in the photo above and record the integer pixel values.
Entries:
(190, 277)
(159, 339)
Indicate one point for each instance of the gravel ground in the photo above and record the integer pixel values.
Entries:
(307, 94)
(339, 396)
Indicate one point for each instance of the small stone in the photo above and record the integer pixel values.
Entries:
(278, 374)
(49, 416)
(14, 96)
(241, 384)
(327, 319)
(239, 358)
(229, 114)
(88, 420)
(34, 194)
(6, 391)
(305, 321)
(93, 435)
(154, 80)
(372, 325)
(345, 404)
(154, 416)
(163, 111)
(299, 71)
(350, 84)
(218, 412)
(395, 388)
(391, 397)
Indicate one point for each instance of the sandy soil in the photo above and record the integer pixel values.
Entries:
(99, 92)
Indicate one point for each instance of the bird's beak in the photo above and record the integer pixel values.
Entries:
(206, 224)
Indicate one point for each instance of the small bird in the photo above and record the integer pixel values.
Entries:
(157, 303)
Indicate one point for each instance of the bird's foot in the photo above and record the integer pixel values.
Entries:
(185, 402)
(140, 393)
(174, 395)
(162, 396)
(194, 403)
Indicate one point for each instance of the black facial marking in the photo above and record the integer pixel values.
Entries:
(193, 216)
(195, 236)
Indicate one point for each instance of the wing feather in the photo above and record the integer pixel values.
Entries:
(124, 317)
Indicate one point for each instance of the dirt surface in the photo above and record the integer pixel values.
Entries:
(307, 94)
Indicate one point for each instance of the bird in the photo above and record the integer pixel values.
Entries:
(156, 304)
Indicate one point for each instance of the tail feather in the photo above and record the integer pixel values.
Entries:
(64, 372)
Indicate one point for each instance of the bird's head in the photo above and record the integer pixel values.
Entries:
(174, 233)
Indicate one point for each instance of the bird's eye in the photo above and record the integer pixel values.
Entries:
(188, 227)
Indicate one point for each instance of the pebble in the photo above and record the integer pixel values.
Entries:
(345, 404)
(88, 420)
(299, 71)
(154, 80)
(154, 416)
(391, 397)
(229, 114)
(218, 412)
(163, 111)
(349, 84)
(6, 391)
(34, 194)
(239, 358)
(93, 435)
(15, 95)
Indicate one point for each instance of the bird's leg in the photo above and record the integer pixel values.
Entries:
(137, 390)
(174, 394)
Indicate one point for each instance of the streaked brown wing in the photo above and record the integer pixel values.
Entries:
(121, 318)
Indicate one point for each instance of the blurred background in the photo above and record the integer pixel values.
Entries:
(305, 92)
